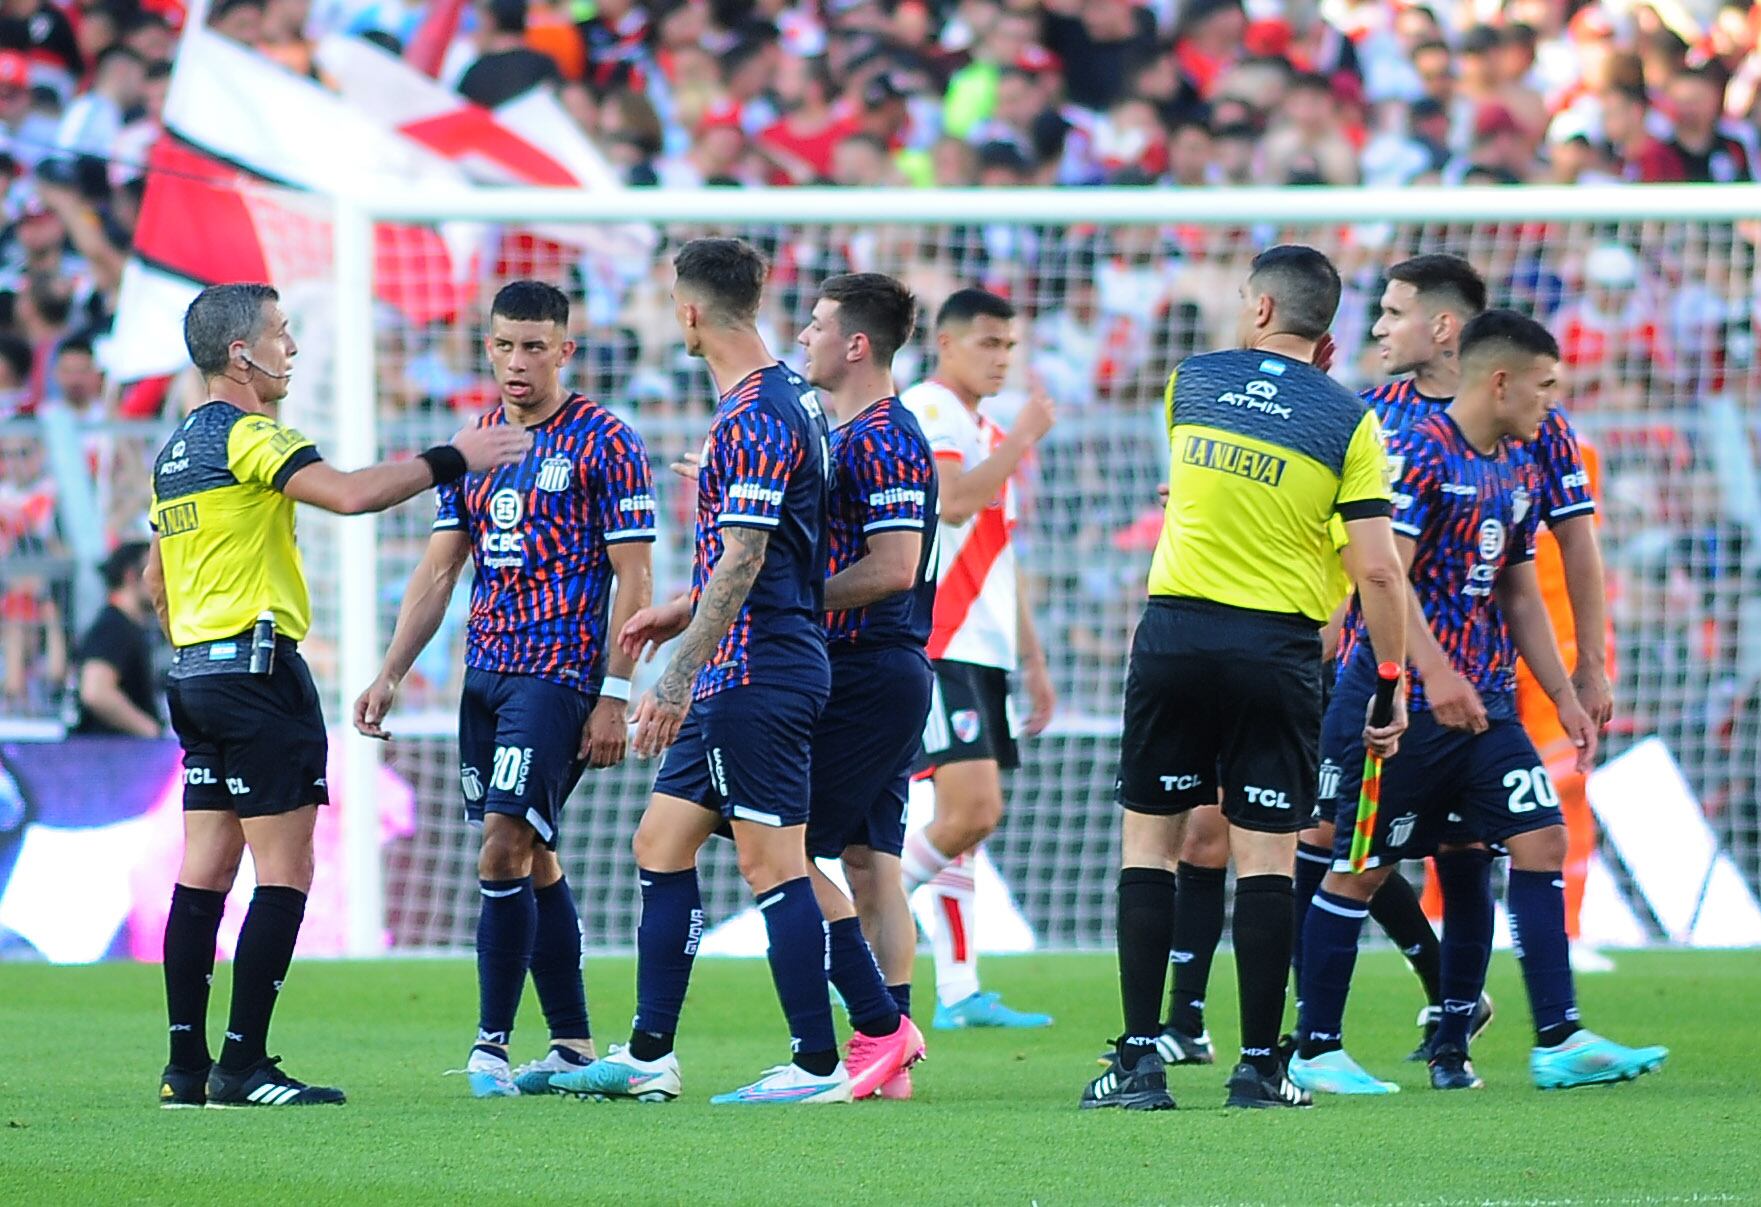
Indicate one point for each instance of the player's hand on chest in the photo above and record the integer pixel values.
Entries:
(539, 505)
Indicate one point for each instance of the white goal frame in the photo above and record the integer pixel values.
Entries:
(360, 642)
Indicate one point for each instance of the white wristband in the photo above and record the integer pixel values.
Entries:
(614, 689)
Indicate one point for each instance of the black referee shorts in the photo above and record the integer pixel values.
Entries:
(252, 744)
(1222, 697)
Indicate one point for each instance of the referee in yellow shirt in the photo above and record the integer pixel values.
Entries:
(1223, 690)
(226, 581)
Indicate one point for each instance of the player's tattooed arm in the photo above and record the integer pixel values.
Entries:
(662, 710)
(1525, 612)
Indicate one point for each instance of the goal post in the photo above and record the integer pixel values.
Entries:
(1113, 286)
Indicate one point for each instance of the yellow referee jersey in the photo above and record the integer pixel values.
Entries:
(226, 532)
(1265, 452)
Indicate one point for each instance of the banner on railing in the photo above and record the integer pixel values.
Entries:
(91, 835)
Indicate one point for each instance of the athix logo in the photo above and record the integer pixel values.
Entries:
(1258, 396)
(554, 474)
(757, 492)
(178, 462)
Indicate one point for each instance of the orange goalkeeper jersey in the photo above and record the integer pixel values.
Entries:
(1550, 568)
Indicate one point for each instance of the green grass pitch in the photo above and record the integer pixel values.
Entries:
(995, 1120)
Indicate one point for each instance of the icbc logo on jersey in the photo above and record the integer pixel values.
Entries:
(506, 509)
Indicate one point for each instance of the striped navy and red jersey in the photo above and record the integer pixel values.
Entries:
(1470, 515)
(540, 533)
(765, 465)
(883, 480)
(1565, 482)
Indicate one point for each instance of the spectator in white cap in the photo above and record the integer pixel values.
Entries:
(1613, 337)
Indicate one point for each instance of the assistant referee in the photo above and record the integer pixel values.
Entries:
(225, 576)
(1223, 691)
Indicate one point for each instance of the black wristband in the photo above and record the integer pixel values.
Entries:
(446, 463)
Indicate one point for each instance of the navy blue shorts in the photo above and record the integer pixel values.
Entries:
(864, 747)
(745, 752)
(1443, 785)
(519, 747)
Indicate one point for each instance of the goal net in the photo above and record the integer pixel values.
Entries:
(1657, 317)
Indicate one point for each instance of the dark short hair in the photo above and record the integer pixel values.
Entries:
(115, 51)
(876, 305)
(131, 556)
(1303, 285)
(17, 354)
(1505, 333)
(1445, 281)
(507, 16)
(227, 7)
(1481, 39)
(741, 53)
(964, 305)
(1433, 45)
(75, 343)
(220, 315)
(729, 273)
(1713, 77)
(531, 302)
(863, 138)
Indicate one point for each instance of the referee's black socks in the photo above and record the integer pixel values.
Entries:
(190, 929)
(1262, 965)
(1198, 928)
(265, 949)
(1145, 931)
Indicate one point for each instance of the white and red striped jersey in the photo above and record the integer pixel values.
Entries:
(975, 616)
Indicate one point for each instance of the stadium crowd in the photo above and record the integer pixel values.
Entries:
(1177, 94)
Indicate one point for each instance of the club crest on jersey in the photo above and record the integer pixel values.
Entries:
(1491, 540)
(506, 507)
(1401, 828)
(554, 474)
(472, 783)
(1519, 504)
(965, 724)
